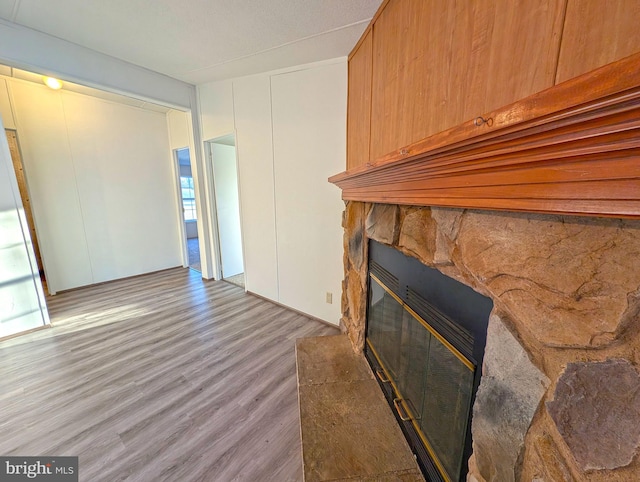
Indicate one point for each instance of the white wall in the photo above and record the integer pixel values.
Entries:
(179, 130)
(22, 304)
(51, 181)
(102, 185)
(216, 109)
(5, 106)
(225, 177)
(309, 145)
(290, 132)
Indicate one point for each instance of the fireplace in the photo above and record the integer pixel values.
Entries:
(562, 341)
(425, 339)
(491, 203)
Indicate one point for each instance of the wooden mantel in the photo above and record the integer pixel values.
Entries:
(571, 149)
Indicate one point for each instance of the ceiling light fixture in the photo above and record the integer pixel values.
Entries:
(52, 83)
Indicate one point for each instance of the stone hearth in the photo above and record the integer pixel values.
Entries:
(560, 394)
(348, 432)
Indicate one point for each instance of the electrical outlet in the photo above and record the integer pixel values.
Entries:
(329, 297)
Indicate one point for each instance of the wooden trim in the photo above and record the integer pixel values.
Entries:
(571, 149)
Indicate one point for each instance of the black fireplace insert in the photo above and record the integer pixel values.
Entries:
(425, 340)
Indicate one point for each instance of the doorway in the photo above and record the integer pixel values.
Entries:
(188, 207)
(221, 153)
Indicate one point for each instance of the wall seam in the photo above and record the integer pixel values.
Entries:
(75, 181)
(563, 26)
(275, 190)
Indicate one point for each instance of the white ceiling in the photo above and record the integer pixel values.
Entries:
(202, 40)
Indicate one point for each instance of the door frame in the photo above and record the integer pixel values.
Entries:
(183, 228)
(215, 229)
(8, 171)
(27, 205)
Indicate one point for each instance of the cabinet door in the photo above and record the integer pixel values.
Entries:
(508, 51)
(359, 104)
(597, 33)
(437, 64)
(409, 72)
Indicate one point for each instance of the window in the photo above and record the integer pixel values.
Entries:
(188, 198)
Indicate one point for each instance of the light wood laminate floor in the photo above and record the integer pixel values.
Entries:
(159, 378)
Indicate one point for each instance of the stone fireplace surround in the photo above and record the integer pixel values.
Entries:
(560, 394)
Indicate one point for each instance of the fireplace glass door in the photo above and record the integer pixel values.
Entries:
(432, 380)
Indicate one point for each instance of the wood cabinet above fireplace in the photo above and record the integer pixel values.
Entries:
(427, 126)
(435, 64)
